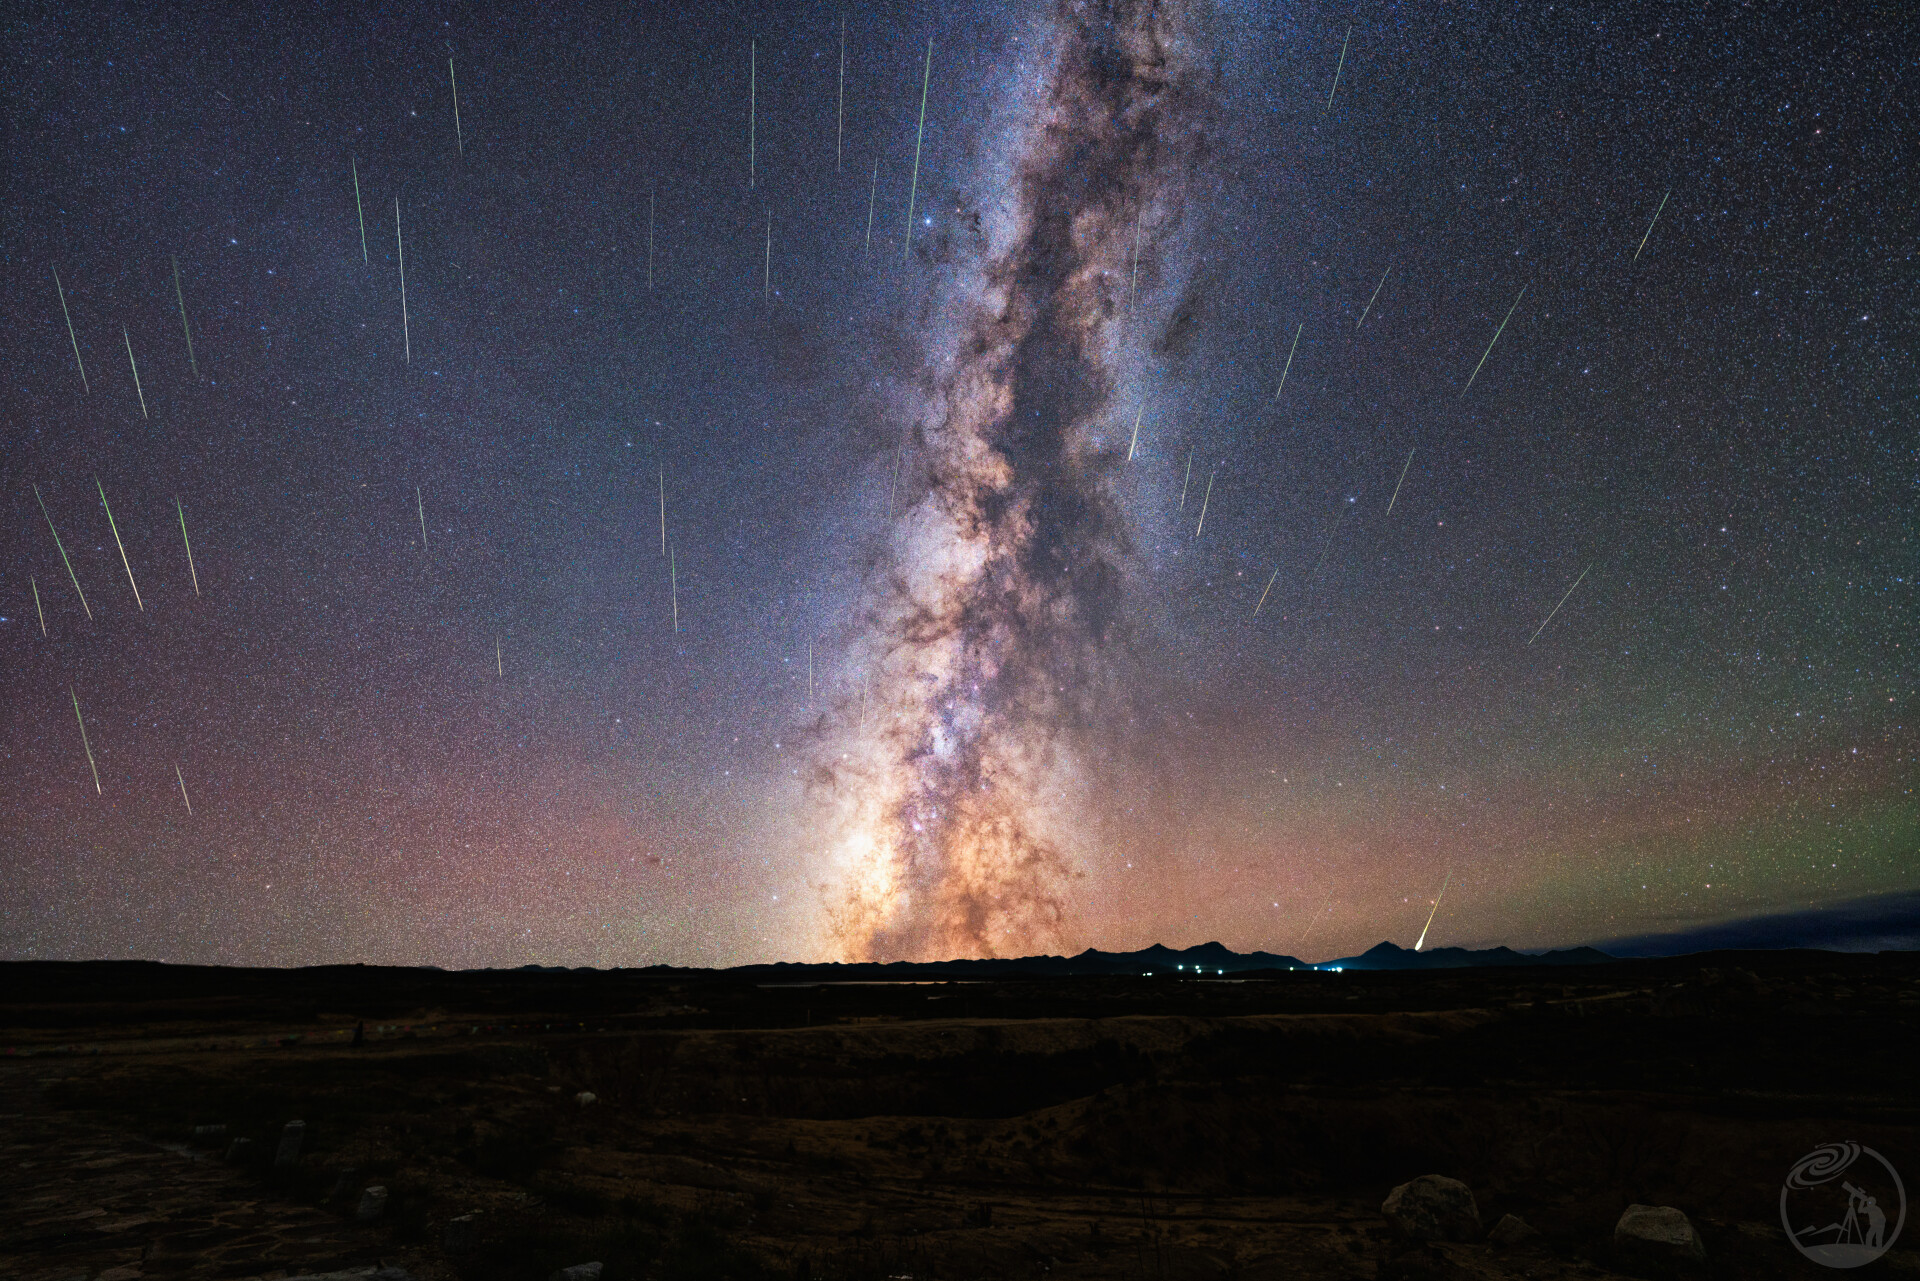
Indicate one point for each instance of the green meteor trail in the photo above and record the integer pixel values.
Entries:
(63, 553)
(122, 546)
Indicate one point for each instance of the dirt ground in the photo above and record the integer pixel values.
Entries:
(676, 1124)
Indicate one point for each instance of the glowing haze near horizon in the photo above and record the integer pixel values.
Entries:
(959, 669)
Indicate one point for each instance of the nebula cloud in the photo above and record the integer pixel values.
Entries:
(992, 633)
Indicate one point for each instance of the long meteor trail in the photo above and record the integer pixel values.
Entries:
(1376, 293)
(1289, 366)
(1556, 609)
(359, 209)
(84, 745)
(1401, 481)
(71, 336)
(1338, 69)
(914, 189)
(1263, 594)
(187, 543)
(1496, 338)
(1656, 218)
(63, 552)
(111, 524)
(1436, 911)
(459, 143)
(136, 372)
(184, 326)
(400, 247)
(873, 189)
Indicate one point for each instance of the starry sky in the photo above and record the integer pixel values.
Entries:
(1215, 471)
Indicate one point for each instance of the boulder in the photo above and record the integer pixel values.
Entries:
(1513, 1231)
(373, 1204)
(1658, 1241)
(462, 1235)
(578, 1272)
(586, 1098)
(240, 1152)
(291, 1138)
(1432, 1208)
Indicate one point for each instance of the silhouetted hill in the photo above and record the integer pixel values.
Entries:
(1213, 959)
(1385, 956)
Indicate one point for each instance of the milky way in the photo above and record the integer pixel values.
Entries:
(993, 630)
(708, 561)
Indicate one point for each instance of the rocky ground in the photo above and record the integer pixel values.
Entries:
(674, 1124)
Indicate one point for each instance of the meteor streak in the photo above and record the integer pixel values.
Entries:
(1556, 609)
(63, 553)
(87, 748)
(71, 336)
(359, 209)
(499, 668)
(184, 326)
(1422, 942)
(1263, 595)
(37, 608)
(136, 372)
(421, 503)
(1134, 444)
(122, 546)
(1208, 497)
(1496, 338)
(1401, 481)
(406, 335)
(872, 190)
(1376, 293)
(1656, 218)
(1289, 365)
(1310, 924)
(899, 449)
(1133, 283)
(1328, 547)
(1188, 481)
(183, 788)
(914, 189)
(192, 572)
(459, 143)
(1338, 69)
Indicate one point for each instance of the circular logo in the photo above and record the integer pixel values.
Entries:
(1843, 1205)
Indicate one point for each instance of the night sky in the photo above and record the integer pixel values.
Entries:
(1005, 599)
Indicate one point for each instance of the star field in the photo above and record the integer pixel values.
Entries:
(538, 631)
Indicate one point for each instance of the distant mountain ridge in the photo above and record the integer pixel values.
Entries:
(1385, 956)
(1205, 959)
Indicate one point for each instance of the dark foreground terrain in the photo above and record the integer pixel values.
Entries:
(682, 1124)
